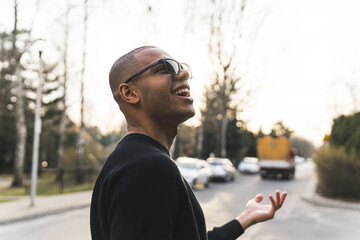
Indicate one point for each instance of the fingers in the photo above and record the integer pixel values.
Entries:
(276, 204)
(273, 203)
(282, 198)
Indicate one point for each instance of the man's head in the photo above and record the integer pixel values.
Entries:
(144, 84)
(122, 69)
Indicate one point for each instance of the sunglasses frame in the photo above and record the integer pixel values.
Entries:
(163, 61)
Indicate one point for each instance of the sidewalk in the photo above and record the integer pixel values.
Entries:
(20, 210)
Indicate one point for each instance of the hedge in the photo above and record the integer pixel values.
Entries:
(338, 173)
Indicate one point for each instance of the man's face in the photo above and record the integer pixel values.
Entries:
(163, 96)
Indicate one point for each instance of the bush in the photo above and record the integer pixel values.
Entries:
(338, 173)
(346, 132)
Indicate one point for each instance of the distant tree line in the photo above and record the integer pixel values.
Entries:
(240, 141)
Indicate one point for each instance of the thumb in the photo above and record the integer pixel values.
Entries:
(258, 198)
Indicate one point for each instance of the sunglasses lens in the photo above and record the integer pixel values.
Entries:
(172, 67)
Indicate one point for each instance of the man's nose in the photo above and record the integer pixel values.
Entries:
(183, 75)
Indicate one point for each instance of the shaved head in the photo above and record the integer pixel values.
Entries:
(122, 70)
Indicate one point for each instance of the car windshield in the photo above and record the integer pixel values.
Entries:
(186, 165)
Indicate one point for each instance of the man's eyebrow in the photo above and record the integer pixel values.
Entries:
(157, 66)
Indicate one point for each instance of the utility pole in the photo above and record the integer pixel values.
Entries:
(37, 131)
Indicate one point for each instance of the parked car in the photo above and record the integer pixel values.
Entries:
(249, 165)
(195, 171)
(222, 168)
(299, 160)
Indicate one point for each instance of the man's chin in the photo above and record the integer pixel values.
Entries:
(189, 114)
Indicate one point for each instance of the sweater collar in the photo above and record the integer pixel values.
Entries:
(148, 140)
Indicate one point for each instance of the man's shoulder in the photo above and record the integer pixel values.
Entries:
(159, 170)
(141, 159)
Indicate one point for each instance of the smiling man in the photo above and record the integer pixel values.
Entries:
(140, 193)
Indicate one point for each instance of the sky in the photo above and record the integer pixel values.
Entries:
(305, 62)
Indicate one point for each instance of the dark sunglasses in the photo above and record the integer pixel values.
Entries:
(170, 66)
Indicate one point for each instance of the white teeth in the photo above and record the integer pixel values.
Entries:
(182, 91)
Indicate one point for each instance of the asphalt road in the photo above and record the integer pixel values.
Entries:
(297, 220)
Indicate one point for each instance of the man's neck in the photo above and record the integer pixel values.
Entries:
(164, 137)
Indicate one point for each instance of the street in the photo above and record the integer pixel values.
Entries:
(221, 202)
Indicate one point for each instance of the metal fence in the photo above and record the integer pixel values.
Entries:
(55, 180)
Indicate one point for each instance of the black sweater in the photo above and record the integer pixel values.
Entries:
(140, 194)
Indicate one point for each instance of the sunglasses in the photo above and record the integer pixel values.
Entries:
(170, 66)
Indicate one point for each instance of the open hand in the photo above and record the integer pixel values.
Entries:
(256, 212)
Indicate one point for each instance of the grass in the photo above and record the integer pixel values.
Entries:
(13, 192)
(47, 186)
(8, 194)
(68, 189)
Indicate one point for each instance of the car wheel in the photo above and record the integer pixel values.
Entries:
(228, 178)
(193, 184)
(206, 184)
(289, 176)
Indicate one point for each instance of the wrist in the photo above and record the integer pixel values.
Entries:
(244, 220)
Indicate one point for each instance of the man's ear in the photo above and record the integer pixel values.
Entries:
(128, 93)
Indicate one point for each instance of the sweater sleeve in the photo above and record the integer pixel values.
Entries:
(229, 231)
(142, 202)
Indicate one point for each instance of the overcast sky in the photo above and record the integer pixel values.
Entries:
(306, 59)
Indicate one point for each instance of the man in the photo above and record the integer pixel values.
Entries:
(140, 193)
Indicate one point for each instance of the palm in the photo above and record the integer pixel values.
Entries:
(258, 212)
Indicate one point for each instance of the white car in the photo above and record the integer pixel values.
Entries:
(249, 165)
(222, 168)
(195, 171)
(299, 160)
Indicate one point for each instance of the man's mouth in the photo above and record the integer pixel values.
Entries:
(184, 92)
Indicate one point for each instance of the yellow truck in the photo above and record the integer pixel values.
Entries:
(276, 158)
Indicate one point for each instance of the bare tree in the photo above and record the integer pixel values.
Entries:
(21, 131)
(3, 56)
(80, 142)
(226, 48)
(340, 103)
(303, 147)
(354, 90)
(60, 153)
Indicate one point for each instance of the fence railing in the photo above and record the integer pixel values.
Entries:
(55, 180)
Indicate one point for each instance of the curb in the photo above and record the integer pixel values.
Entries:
(20, 210)
(41, 214)
(309, 195)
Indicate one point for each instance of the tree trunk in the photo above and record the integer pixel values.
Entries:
(21, 131)
(80, 143)
(62, 129)
(2, 75)
(224, 122)
(200, 141)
